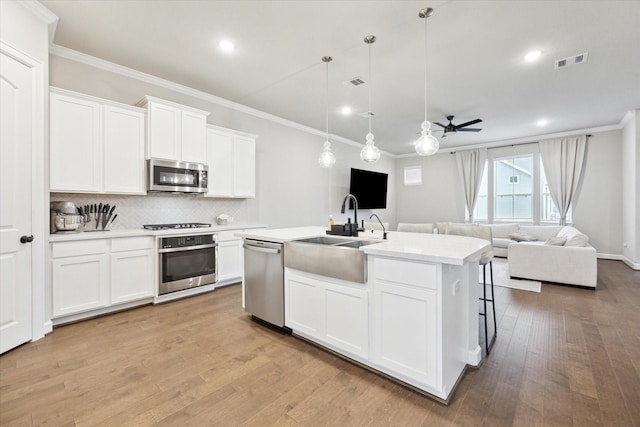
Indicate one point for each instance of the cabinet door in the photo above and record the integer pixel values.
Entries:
(79, 283)
(404, 331)
(244, 167)
(194, 137)
(132, 276)
(220, 162)
(165, 131)
(230, 261)
(304, 305)
(75, 144)
(124, 162)
(347, 319)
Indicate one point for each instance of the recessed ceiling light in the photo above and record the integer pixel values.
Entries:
(533, 55)
(226, 45)
(542, 122)
(346, 110)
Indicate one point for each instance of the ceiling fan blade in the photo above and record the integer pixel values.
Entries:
(469, 130)
(439, 124)
(472, 122)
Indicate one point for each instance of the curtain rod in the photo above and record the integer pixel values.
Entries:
(513, 145)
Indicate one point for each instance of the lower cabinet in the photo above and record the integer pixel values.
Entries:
(230, 258)
(132, 267)
(97, 274)
(334, 313)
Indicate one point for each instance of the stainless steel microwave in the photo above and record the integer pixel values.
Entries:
(177, 177)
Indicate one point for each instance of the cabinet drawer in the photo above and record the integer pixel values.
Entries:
(407, 272)
(88, 247)
(224, 236)
(131, 244)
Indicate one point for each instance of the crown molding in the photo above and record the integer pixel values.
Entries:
(44, 14)
(102, 64)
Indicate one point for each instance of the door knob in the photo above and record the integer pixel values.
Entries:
(26, 239)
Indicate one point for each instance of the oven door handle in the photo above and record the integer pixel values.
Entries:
(261, 249)
(187, 248)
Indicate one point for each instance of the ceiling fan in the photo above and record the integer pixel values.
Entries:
(451, 128)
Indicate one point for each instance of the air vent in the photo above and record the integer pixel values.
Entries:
(572, 60)
(367, 114)
(355, 82)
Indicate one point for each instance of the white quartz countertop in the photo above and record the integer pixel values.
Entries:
(445, 249)
(136, 232)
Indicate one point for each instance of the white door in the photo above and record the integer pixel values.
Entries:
(15, 202)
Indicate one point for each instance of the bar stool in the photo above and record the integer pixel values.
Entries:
(481, 232)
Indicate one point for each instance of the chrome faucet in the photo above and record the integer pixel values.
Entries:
(354, 231)
(384, 231)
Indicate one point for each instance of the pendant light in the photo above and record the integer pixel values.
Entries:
(327, 159)
(370, 153)
(426, 144)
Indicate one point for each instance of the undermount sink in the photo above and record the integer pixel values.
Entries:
(329, 256)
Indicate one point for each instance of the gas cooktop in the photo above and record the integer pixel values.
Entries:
(175, 226)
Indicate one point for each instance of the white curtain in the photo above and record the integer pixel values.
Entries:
(470, 167)
(563, 161)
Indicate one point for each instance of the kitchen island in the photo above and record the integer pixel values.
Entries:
(414, 318)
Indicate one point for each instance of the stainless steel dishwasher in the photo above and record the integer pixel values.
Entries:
(264, 281)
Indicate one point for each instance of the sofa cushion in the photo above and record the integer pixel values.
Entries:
(521, 236)
(555, 241)
(541, 232)
(501, 242)
(574, 236)
(503, 230)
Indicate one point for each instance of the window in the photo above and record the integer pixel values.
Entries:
(413, 175)
(513, 189)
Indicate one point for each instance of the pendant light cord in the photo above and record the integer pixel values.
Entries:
(327, 99)
(425, 68)
(370, 84)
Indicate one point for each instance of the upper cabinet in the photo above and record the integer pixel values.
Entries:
(96, 146)
(174, 131)
(231, 161)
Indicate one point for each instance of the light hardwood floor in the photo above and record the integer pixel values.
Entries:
(563, 357)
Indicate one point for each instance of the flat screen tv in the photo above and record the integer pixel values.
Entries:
(370, 188)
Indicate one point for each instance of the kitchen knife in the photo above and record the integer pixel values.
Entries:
(113, 208)
(104, 216)
(112, 220)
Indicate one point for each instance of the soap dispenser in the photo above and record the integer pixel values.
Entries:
(330, 223)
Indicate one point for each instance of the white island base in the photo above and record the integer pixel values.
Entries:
(414, 321)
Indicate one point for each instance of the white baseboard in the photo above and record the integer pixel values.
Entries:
(48, 327)
(617, 257)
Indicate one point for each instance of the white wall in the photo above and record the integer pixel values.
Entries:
(631, 188)
(291, 189)
(597, 212)
(440, 197)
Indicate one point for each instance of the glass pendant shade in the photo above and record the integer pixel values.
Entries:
(327, 159)
(427, 144)
(370, 153)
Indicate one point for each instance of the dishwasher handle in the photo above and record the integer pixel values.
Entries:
(261, 249)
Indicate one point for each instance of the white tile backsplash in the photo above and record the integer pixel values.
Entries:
(163, 208)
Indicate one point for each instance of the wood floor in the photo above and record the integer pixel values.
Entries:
(563, 357)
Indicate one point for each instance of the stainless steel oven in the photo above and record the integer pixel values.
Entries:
(187, 262)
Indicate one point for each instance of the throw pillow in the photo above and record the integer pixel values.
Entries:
(521, 236)
(556, 241)
(577, 240)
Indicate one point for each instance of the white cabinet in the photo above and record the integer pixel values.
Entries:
(96, 146)
(232, 164)
(124, 162)
(96, 274)
(131, 268)
(230, 258)
(174, 131)
(80, 276)
(333, 313)
(405, 330)
(75, 145)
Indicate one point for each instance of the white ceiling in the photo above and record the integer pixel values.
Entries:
(475, 63)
